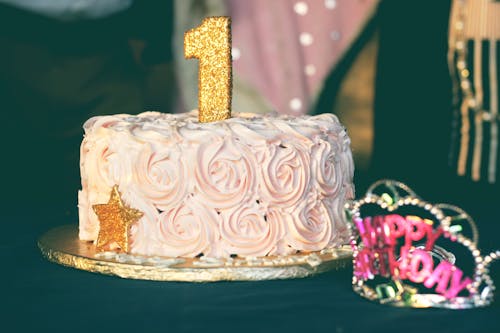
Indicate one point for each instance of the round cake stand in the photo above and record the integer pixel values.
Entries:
(62, 246)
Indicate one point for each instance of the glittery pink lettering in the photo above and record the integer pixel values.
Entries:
(380, 236)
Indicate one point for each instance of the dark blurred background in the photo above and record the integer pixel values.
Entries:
(56, 74)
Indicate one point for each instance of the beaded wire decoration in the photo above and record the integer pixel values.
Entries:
(474, 30)
(411, 253)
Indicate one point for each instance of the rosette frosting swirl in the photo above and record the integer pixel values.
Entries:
(162, 175)
(335, 207)
(247, 231)
(310, 226)
(327, 171)
(188, 230)
(225, 173)
(253, 185)
(95, 154)
(285, 174)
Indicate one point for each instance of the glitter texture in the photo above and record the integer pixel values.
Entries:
(115, 219)
(210, 43)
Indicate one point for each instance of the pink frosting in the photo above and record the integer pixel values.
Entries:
(327, 172)
(188, 230)
(310, 226)
(161, 175)
(225, 173)
(285, 174)
(252, 185)
(246, 230)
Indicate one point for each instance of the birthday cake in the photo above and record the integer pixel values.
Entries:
(250, 186)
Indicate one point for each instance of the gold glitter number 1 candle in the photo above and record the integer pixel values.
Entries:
(210, 43)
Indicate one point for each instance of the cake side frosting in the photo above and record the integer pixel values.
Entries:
(251, 185)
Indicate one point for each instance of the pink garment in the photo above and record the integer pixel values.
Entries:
(286, 48)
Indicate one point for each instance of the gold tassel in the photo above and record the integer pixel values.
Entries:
(492, 167)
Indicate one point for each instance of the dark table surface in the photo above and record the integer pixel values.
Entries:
(41, 296)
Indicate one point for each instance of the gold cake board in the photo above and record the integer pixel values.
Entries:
(62, 246)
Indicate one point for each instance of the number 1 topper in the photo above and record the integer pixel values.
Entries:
(210, 43)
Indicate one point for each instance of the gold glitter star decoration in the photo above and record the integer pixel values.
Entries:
(115, 219)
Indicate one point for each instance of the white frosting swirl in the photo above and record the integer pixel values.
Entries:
(144, 233)
(326, 169)
(310, 226)
(347, 166)
(247, 231)
(335, 207)
(87, 230)
(225, 173)
(252, 185)
(95, 154)
(162, 175)
(188, 230)
(285, 174)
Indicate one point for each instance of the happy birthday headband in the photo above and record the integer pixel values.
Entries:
(408, 252)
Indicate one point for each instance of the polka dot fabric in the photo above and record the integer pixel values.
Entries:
(286, 48)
